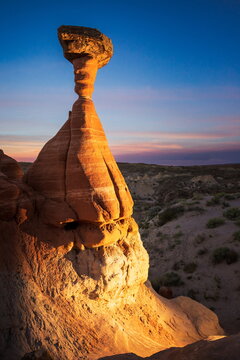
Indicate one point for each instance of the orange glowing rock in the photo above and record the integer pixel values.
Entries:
(76, 166)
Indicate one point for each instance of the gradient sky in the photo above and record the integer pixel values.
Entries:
(170, 94)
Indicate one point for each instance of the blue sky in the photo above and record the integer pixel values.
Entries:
(170, 94)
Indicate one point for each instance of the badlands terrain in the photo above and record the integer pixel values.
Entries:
(73, 270)
(189, 220)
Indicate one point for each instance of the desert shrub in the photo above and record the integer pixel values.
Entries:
(172, 246)
(220, 195)
(171, 279)
(215, 200)
(229, 196)
(232, 213)
(197, 196)
(224, 254)
(192, 294)
(177, 235)
(237, 222)
(236, 236)
(178, 241)
(199, 238)
(177, 265)
(190, 267)
(225, 204)
(202, 251)
(170, 214)
(214, 222)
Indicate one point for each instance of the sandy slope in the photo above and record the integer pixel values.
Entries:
(185, 246)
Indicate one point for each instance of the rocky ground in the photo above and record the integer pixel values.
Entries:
(189, 219)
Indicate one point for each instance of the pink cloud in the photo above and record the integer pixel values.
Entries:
(177, 136)
(142, 147)
(22, 148)
(26, 148)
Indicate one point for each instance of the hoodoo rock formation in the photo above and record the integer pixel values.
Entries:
(76, 169)
(73, 269)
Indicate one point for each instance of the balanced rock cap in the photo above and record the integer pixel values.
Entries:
(80, 41)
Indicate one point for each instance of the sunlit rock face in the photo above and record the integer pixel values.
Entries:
(76, 166)
(72, 264)
(14, 194)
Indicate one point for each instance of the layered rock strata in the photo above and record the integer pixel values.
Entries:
(76, 166)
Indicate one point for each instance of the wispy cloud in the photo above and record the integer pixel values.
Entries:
(26, 148)
(142, 147)
(22, 147)
(184, 125)
(184, 93)
(178, 135)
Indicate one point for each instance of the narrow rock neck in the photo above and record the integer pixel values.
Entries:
(85, 70)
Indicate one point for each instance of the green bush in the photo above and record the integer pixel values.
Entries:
(170, 214)
(214, 222)
(171, 279)
(190, 267)
(224, 254)
(232, 213)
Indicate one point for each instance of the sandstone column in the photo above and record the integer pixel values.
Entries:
(76, 169)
